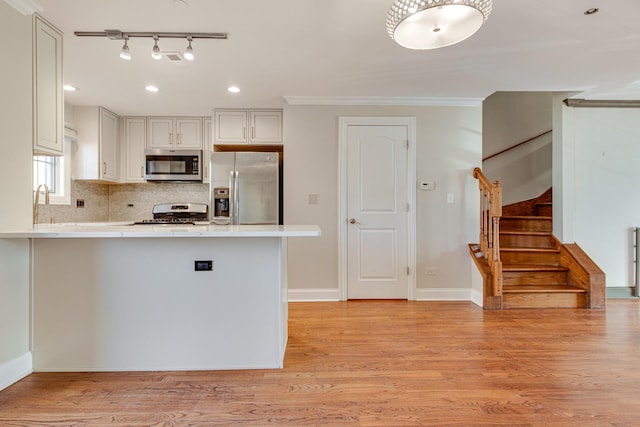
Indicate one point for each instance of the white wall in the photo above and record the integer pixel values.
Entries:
(606, 179)
(508, 119)
(449, 146)
(15, 192)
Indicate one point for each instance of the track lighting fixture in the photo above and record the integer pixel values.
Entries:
(124, 53)
(156, 54)
(188, 53)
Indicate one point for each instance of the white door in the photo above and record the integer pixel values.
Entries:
(377, 211)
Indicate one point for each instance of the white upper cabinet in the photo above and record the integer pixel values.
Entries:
(96, 156)
(266, 126)
(248, 126)
(133, 148)
(174, 132)
(48, 100)
(207, 147)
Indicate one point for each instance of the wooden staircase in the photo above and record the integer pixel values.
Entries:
(536, 270)
(532, 274)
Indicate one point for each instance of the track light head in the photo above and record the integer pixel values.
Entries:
(125, 53)
(188, 53)
(155, 53)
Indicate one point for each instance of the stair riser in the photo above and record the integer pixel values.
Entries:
(544, 210)
(525, 224)
(525, 241)
(538, 300)
(538, 258)
(512, 278)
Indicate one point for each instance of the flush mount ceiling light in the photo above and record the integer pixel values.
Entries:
(156, 53)
(431, 24)
(69, 88)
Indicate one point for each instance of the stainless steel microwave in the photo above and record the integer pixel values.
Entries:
(172, 165)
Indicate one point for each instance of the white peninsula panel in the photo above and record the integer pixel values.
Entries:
(103, 304)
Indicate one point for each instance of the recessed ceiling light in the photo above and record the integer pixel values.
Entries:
(233, 89)
(591, 11)
(180, 3)
(151, 88)
(70, 88)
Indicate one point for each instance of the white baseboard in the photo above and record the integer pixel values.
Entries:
(15, 370)
(421, 294)
(443, 294)
(477, 297)
(313, 295)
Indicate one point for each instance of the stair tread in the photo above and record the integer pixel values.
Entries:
(528, 249)
(532, 267)
(526, 233)
(546, 218)
(547, 288)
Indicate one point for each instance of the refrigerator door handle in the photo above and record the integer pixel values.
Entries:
(232, 206)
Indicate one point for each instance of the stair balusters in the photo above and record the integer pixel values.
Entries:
(490, 213)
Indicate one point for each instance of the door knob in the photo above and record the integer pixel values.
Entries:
(353, 221)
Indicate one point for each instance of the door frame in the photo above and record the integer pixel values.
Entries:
(344, 123)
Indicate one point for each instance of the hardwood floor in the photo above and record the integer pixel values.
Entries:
(380, 363)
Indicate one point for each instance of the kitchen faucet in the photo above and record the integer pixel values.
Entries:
(37, 201)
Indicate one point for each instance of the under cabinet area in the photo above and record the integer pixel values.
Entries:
(174, 132)
(48, 121)
(234, 126)
(96, 155)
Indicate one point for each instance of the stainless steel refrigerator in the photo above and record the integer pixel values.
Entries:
(244, 188)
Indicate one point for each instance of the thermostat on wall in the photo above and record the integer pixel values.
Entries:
(427, 185)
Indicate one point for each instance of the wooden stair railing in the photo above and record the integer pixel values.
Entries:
(490, 214)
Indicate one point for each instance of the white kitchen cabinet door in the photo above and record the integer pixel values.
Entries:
(207, 147)
(248, 126)
(176, 133)
(97, 148)
(266, 127)
(160, 132)
(48, 123)
(134, 143)
(231, 126)
(109, 145)
(188, 133)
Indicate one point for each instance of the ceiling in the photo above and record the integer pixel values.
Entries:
(340, 49)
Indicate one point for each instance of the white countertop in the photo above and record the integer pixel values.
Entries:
(127, 230)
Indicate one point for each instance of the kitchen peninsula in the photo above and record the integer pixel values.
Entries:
(109, 297)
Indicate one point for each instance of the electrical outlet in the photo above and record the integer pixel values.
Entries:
(429, 271)
(203, 265)
(312, 199)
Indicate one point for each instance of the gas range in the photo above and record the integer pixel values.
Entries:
(178, 213)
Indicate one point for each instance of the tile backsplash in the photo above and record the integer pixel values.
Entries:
(121, 202)
(142, 197)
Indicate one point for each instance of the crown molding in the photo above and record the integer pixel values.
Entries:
(25, 7)
(384, 100)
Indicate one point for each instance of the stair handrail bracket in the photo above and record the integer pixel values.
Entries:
(490, 214)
